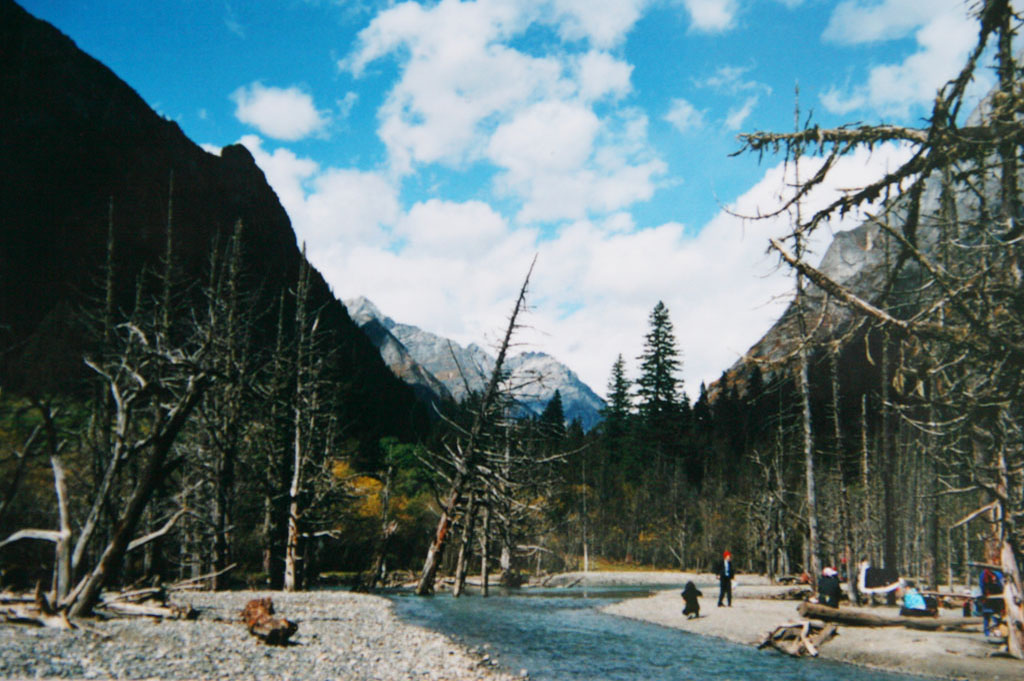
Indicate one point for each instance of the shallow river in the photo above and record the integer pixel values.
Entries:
(559, 634)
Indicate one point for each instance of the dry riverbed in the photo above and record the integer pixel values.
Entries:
(341, 636)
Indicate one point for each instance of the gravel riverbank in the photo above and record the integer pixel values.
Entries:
(937, 654)
(341, 636)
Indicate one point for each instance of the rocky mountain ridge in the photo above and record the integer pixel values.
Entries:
(80, 153)
(426, 361)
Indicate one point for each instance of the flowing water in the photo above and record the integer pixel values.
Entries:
(560, 635)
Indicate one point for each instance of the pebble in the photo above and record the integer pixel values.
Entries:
(341, 635)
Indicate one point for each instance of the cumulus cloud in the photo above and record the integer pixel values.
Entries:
(465, 94)
(711, 16)
(329, 206)
(565, 163)
(454, 268)
(684, 116)
(603, 23)
(944, 33)
(282, 113)
(599, 75)
(854, 21)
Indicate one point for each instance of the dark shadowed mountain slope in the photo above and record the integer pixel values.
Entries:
(74, 140)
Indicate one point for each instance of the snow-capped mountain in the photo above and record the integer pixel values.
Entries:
(412, 352)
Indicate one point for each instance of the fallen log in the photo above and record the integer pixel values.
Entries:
(860, 618)
(151, 593)
(797, 593)
(171, 611)
(258, 616)
(30, 614)
(799, 638)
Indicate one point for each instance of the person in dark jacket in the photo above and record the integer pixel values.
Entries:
(691, 606)
(828, 588)
(725, 571)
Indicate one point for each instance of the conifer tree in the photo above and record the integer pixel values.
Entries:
(659, 386)
(619, 403)
(552, 420)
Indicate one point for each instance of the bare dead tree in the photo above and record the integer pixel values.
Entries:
(950, 302)
(467, 453)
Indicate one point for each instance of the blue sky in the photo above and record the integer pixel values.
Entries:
(425, 151)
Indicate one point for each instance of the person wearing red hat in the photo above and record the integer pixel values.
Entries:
(725, 571)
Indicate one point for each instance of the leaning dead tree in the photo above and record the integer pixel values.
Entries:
(950, 304)
(467, 453)
(154, 387)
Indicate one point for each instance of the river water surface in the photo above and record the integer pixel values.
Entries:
(560, 635)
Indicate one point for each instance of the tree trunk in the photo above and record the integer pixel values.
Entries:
(469, 451)
(485, 536)
(465, 546)
(1013, 598)
(434, 553)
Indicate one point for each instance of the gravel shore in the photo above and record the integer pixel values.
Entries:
(341, 636)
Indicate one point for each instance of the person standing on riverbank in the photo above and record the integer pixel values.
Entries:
(725, 571)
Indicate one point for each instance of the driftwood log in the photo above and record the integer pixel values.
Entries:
(33, 610)
(860, 618)
(799, 638)
(258, 616)
(797, 593)
(169, 611)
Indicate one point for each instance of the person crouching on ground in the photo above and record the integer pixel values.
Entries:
(691, 606)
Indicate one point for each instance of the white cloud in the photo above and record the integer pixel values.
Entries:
(449, 229)
(566, 163)
(282, 113)
(231, 21)
(328, 206)
(347, 103)
(599, 74)
(730, 79)
(737, 116)
(944, 33)
(855, 21)
(456, 80)
(684, 116)
(603, 22)
(465, 95)
(712, 16)
(549, 136)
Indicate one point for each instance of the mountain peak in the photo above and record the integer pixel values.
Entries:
(462, 370)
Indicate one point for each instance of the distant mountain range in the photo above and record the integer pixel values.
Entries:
(438, 368)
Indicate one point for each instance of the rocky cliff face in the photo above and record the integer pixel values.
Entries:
(861, 260)
(80, 149)
(411, 351)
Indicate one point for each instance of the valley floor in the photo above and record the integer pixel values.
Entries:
(952, 655)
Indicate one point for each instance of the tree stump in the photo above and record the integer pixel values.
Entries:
(258, 616)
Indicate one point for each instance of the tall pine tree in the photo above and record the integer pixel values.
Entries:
(659, 386)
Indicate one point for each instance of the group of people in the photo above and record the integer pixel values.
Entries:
(913, 603)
